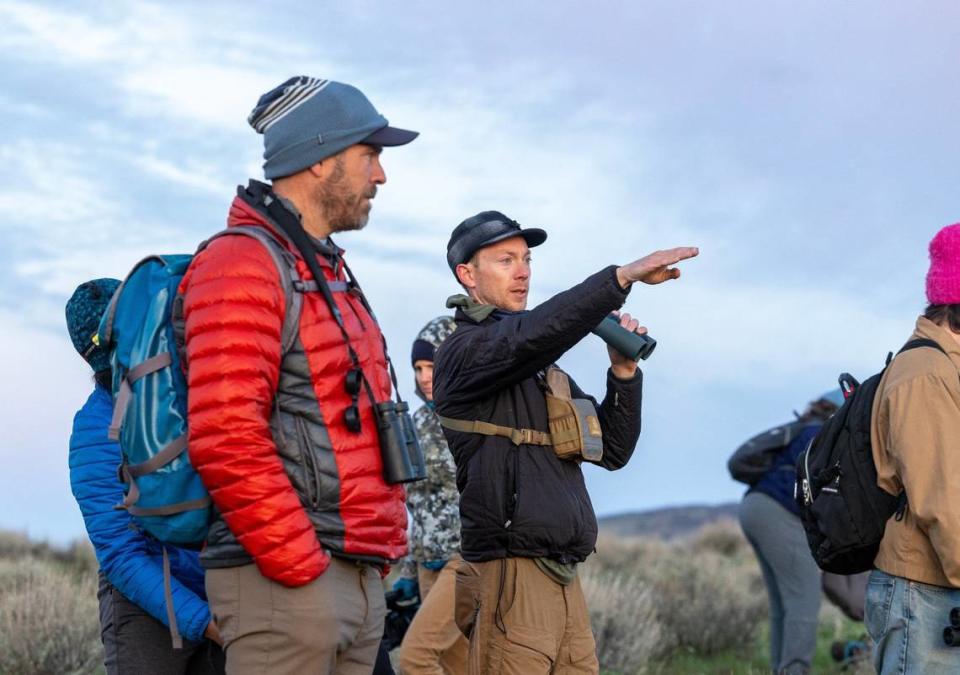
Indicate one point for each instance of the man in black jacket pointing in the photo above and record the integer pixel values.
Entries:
(526, 516)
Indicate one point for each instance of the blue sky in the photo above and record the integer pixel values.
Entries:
(810, 149)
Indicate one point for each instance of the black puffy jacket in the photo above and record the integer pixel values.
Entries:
(522, 501)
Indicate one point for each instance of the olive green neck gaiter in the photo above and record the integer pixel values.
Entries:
(476, 311)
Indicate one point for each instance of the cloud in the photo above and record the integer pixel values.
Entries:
(46, 381)
(808, 151)
(161, 63)
(191, 175)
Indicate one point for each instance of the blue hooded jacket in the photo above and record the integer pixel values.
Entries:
(130, 560)
(778, 482)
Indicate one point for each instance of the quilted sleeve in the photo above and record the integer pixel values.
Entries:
(127, 559)
(472, 365)
(619, 416)
(234, 308)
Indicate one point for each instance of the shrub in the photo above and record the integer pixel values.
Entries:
(49, 621)
(710, 603)
(81, 557)
(17, 545)
(79, 554)
(630, 556)
(707, 591)
(630, 636)
(722, 536)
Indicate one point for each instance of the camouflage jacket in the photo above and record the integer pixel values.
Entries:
(434, 503)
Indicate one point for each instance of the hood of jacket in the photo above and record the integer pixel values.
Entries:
(434, 333)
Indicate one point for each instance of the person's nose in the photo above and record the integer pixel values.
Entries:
(378, 176)
(523, 271)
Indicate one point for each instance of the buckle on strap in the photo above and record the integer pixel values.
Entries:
(528, 437)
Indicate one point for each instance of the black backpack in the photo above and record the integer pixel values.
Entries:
(843, 511)
(755, 458)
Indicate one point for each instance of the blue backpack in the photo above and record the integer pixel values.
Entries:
(142, 330)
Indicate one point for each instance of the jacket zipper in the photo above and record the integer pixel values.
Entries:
(807, 492)
(310, 474)
(514, 498)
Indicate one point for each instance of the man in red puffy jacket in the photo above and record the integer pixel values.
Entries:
(282, 425)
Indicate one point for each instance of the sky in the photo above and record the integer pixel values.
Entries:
(809, 149)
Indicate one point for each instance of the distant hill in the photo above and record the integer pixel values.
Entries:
(666, 523)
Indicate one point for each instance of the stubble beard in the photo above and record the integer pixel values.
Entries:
(344, 211)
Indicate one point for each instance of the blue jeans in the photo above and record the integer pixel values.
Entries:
(906, 621)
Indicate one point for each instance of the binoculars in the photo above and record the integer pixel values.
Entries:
(951, 634)
(402, 457)
(628, 343)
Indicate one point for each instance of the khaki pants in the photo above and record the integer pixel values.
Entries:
(434, 644)
(521, 622)
(427, 578)
(332, 625)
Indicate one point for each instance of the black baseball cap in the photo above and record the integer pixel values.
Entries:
(483, 229)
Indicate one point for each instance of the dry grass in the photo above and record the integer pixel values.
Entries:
(79, 555)
(628, 629)
(48, 618)
(688, 606)
(648, 598)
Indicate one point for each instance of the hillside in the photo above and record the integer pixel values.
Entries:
(666, 523)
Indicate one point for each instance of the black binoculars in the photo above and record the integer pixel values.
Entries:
(951, 634)
(402, 457)
(628, 343)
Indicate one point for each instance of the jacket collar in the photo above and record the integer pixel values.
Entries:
(928, 329)
(248, 209)
(470, 308)
(477, 311)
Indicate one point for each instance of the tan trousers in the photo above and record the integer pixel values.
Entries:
(427, 578)
(433, 645)
(521, 622)
(332, 625)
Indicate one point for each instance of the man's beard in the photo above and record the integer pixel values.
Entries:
(342, 209)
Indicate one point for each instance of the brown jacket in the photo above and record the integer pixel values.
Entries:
(916, 447)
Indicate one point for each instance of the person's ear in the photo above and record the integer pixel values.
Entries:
(465, 275)
(318, 170)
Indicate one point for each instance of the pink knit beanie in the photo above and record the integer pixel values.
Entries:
(943, 278)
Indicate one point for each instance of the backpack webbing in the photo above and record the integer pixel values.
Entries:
(516, 436)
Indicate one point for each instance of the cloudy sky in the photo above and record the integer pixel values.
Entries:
(810, 149)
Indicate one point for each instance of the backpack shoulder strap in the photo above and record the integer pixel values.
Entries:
(921, 342)
(286, 264)
(558, 383)
(104, 335)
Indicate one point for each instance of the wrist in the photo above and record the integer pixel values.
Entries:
(622, 279)
(624, 371)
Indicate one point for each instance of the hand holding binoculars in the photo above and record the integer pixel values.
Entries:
(630, 344)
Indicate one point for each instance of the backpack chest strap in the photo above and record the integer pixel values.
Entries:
(516, 436)
(313, 287)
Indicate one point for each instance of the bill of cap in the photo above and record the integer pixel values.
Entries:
(534, 236)
(390, 136)
(464, 248)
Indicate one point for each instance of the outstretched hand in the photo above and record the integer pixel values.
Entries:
(656, 267)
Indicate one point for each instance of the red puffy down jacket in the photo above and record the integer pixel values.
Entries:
(289, 481)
